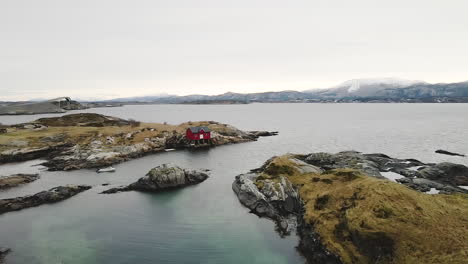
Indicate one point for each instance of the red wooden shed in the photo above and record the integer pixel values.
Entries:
(198, 133)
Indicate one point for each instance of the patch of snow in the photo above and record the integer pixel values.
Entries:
(392, 175)
(102, 155)
(355, 84)
(108, 169)
(433, 191)
(464, 187)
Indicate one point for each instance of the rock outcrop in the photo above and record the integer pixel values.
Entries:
(164, 177)
(345, 211)
(446, 172)
(17, 179)
(51, 196)
(277, 200)
(445, 176)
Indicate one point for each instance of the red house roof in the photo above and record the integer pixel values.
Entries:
(197, 129)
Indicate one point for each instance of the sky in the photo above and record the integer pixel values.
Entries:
(102, 49)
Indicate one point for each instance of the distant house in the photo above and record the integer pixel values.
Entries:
(198, 133)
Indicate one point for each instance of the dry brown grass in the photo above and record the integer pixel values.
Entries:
(356, 214)
(84, 135)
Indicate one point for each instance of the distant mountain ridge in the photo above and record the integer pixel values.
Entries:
(358, 90)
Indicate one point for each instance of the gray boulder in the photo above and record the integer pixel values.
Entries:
(166, 176)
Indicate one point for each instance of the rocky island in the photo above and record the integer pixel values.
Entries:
(345, 210)
(51, 196)
(16, 180)
(89, 140)
(164, 177)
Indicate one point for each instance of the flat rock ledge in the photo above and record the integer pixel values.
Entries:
(16, 180)
(164, 177)
(446, 177)
(53, 195)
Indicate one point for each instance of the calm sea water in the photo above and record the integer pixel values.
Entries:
(206, 223)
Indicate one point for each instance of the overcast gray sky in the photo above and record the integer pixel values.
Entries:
(113, 48)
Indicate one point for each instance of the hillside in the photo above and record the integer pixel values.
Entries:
(345, 215)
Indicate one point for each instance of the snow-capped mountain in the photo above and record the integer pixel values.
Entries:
(361, 90)
(365, 87)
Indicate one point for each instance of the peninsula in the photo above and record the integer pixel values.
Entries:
(89, 140)
(346, 210)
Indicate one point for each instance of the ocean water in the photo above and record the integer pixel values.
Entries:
(206, 223)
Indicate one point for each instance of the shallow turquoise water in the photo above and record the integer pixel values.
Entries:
(206, 223)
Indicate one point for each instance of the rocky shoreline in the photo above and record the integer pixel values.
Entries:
(80, 141)
(164, 177)
(320, 196)
(53, 195)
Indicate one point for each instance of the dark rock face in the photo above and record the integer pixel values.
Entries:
(278, 201)
(17, 179)
(3, 253)
(51, 196)
(164, 177)
(441, 151)
(312, 248)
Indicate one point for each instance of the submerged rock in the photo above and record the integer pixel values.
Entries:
(441, 151)
(166, 176)
(257, 134)
(17, 179)
(51, 196)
